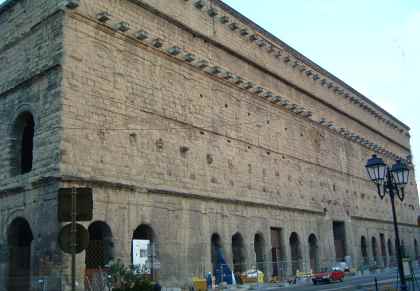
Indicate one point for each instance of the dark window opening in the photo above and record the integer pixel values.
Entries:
(278, 253)
(339, 233)
(23, 146)
(363, 246)
(259, 248)
(238, 253)
(296, 253)
(313, 253)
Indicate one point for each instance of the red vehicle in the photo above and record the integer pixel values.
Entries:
(334, 274)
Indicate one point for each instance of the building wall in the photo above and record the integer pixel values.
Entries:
(183, 150)
(135, 115)
(30, 81)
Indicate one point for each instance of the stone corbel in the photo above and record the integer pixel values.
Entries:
(188, 57)
(174, 51)
(215, 70)
(244, 32)
(103, 16)
(267, 94)
(121, 26)
(233, 26)
(212, 12)
(72, 4)
(199, 4)
(202, 64)
(157, 43)
(141, 35)
(247, 85)
(258, 90)
(224, 19)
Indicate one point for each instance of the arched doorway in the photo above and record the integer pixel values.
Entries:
(363, 249)
(313, 253)
(19, 239)
(296, 253)
(216, 250)
(374, 251)
(144, 251)
(238, 253)
(259, 248)
(416, 249)
(100, 249)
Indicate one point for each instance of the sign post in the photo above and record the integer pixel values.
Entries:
(73, 238)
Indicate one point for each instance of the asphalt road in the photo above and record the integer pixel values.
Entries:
(388, 279)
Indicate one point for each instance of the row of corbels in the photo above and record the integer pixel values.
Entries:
(236, 80)
(358, 139)
(282, 55)
(204, 65)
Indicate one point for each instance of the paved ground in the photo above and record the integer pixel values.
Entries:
(386, 281)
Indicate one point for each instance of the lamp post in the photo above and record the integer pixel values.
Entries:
(391, 181)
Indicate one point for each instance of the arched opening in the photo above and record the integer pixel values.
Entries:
(383, 250)
(374, 251)
(296, 253)
(391, 252)
(238, 253)
(363, 248)
(259, 248)
(19, 239)
(22, 148)
(278, 253)
(216, 251)
(416, 249)
(100, 249)
(144, 251)
(313, 253)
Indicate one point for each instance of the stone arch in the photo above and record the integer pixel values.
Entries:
(19, 240)
(216, 250)
(22, 145)
(238, 253)
(259, 248)
(145, 251)
(313, 252)
(101, 246)
(374, 250)
(363, 250)
(295, 252)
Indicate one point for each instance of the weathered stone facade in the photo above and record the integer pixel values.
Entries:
(184, 116)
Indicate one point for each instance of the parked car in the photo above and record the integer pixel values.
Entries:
(327, 276)
(343, 266)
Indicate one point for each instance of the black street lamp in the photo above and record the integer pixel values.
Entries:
(392, 181)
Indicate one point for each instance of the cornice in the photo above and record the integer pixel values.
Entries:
(274, 45)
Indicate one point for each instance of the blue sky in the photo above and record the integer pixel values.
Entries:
(373, 45)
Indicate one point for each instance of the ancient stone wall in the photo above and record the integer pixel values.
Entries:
(192, 126)
(31, 52)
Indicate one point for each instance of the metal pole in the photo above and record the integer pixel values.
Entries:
(73, 238)
(397, 236)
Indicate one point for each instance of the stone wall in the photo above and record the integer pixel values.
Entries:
(30, 81)
(204, 153)
(168, 135)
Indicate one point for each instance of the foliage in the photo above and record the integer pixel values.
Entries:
(123, 278)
